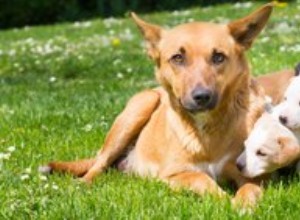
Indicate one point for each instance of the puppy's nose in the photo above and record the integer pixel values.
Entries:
(283, 119)
(240, 165)
(202, 96)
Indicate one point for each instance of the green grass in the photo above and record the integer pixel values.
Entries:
(61, 87)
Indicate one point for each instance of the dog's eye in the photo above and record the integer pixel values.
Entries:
(177, 59)
(260, 153)
(218, 58)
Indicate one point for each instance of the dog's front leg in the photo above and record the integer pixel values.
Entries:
(249, 191)
(248, 195)
(124, 130)
(198, 182)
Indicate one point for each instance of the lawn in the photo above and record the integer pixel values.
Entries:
(61, 88)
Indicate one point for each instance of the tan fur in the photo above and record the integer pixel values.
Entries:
(275, 84)
(187, 147)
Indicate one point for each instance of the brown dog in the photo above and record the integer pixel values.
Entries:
(189, 132)
(275, 84)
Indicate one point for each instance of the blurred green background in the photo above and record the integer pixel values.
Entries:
(19, 13)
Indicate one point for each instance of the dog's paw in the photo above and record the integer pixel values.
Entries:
(246, 198)
(241, 207)
(45, 169)
(85, 181)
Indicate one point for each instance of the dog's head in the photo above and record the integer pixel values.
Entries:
(197, 62)
(269, 147)
(288, 111)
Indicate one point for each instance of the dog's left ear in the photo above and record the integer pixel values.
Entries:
(246, 29)
(152, 34)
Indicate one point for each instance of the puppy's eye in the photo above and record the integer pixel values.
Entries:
(260, 153)
(178, 59)
(218, 58)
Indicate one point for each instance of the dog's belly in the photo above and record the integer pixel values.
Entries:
(145, 168)
(133, 163)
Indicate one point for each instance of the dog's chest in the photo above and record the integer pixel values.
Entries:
(214, 169)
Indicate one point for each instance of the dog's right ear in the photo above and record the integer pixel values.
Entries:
(289, 151)
(245, 30)
(297, 70)
(152, 34)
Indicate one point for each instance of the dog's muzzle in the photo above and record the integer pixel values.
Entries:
(201, 100)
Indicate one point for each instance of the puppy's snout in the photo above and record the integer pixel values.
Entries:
(241, 162)
(202, 97)
(283, 119)
(240, 166)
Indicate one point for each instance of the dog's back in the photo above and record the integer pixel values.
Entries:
(275, 84)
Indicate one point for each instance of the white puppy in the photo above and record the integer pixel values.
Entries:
(269, 147)
(274, 140)
(288, 111)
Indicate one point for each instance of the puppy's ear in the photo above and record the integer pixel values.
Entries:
(297, 70)
(152, 34)
(289, 151)
(283, 142)
(246, 29)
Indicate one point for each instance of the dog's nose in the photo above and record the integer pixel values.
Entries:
(240, 165)
(283, 119)
(202, 96)
(241, 162)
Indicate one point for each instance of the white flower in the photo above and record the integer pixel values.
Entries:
(243, 5)
(116, 62)
(88, 127)
(55, 187)
(120, 75)
(295, 48)
(24, 177)
(43, 178)
(108, 22)
(283, 27)
(282, 48)
(11, 148)
(129, 70)
(78, 24)
(52, 79)
(265, 39)
(4, 156)
(28, 170)
(12, 52)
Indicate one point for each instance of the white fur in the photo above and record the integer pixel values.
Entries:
(290, 106)
(213, 169)
(267, 130)
(44, 169)
(264, 138)
(139, 166)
